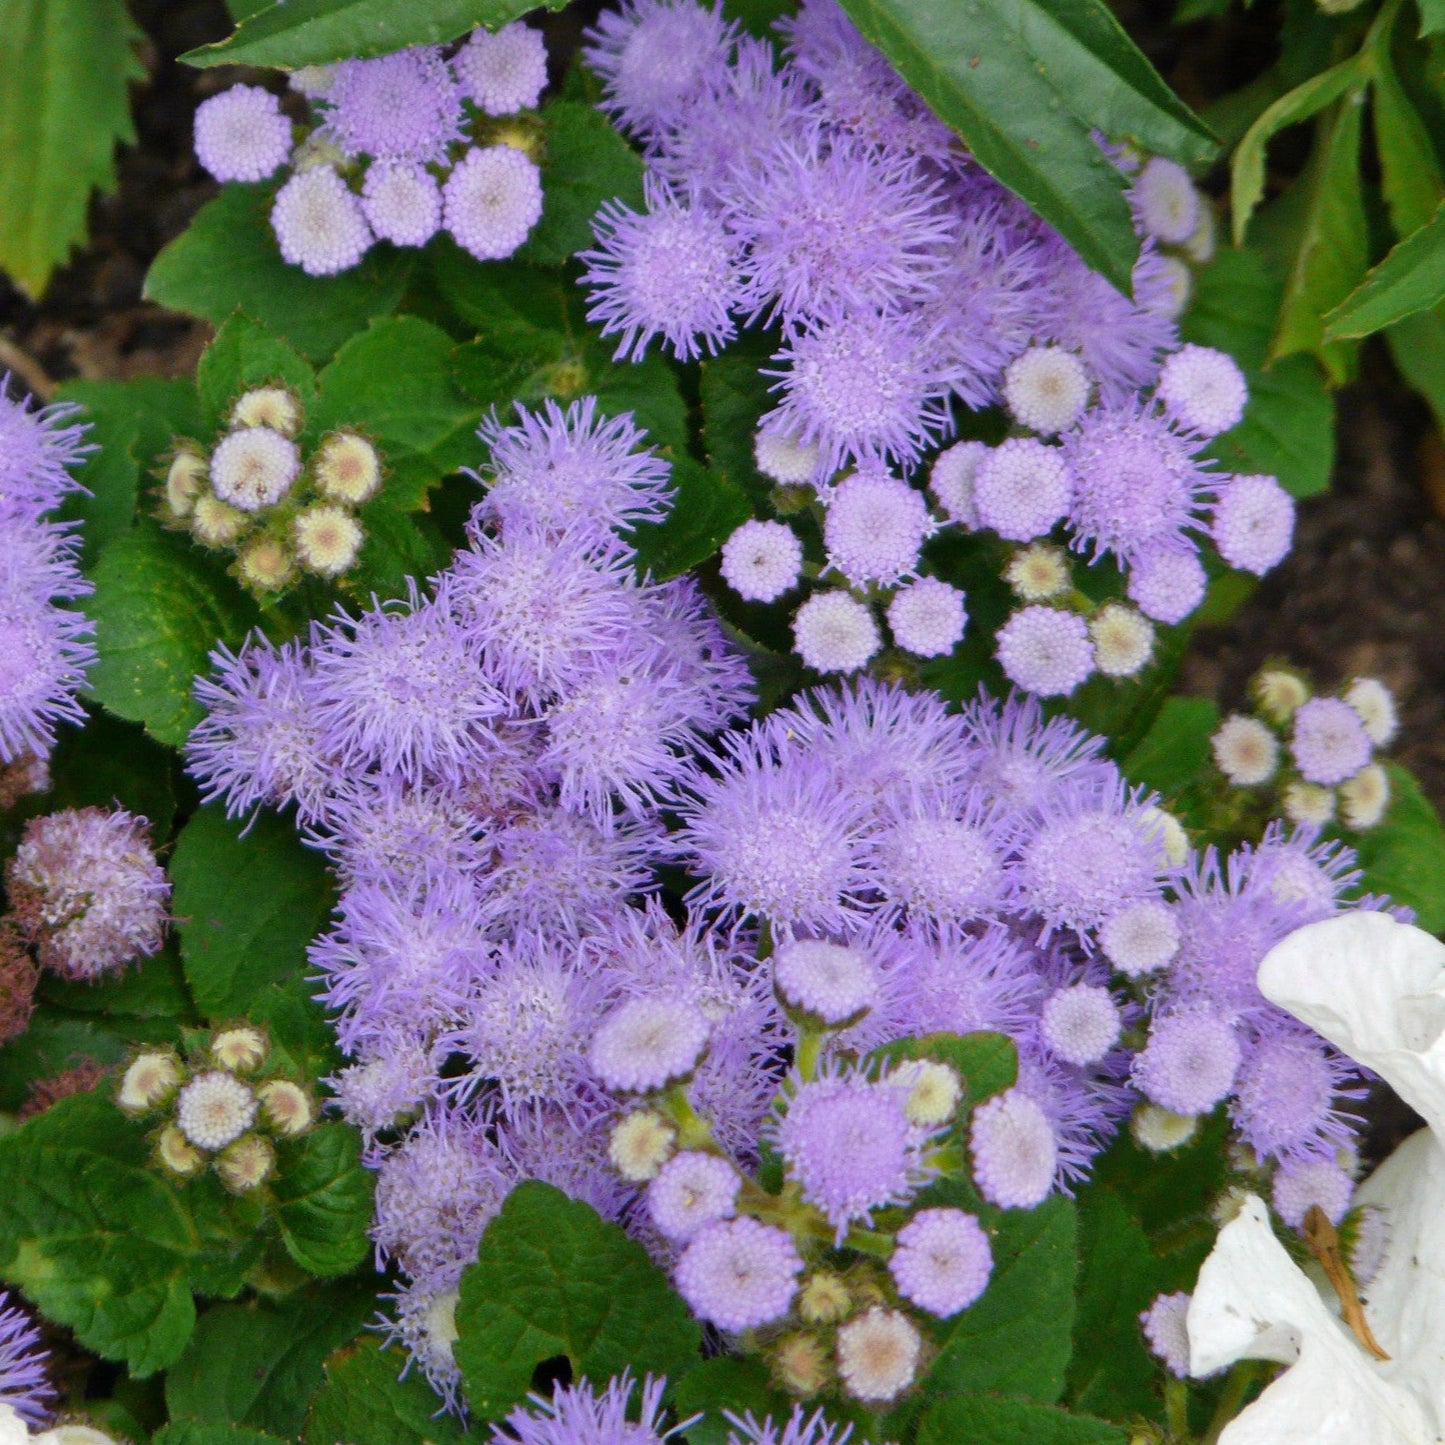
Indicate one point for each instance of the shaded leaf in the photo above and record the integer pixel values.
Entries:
(323, 1199)
(245, 354)
(1401, 855)
(969, 1418)
(1175, 750)
(707, 508)
(364, 1401)
(727, 1384)
(1410, 279)
(1409, 168)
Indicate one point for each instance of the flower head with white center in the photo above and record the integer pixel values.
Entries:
(942, 1262)
(1039, 573)
(402, 202)
(875, 527)
(328, 540)
(832, 980)
(319, 223)
(640, 1145)
(241, 134)
(952, 480)
(691, 1190)
(1375, 704)
(878, 1354)
(1245, 750)
(1046, 389)
(347, 467)
(1045, 650)
(1253, 523)
(1123, 640)
(1163, 1324)
(1167, 585)
(739, 1274)
(1365, 797)
(1329, 742)
(647, 1042)
(254, 468)
(1081, 1023)
(927, 617)
(1015, 1152)
(502, 71)
(1190, 1061)
(833, 632)
(491, 201)
(1203, 389)
(762, 560)
(1022, 489)
(1165, 200)
(781, 458)
(1140, 937)
(1161, 1130)
(215, 1109)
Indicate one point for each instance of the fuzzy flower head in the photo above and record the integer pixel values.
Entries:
(502, 71)
(1039, 573)
(1140, 937)
(927, 618)
(1328, 743)
(739, 1274)
(39, 449)
(1081, 1023)
(1245, 750)
(399, 107)
(874, 528)
(1163, 1324)
(1190, 1061)
(953, 478)
(691, 1190)
(1046, 389)
(782, 458)
(24, 1378)
(1253, 523)
(942, 1262)
(241, 134)
(878, 1354)
(582, 1415)
(491, 201)
(44, 655)
(1375, 704)
(1045, 650)
(254, 468)
(646, 1042)
(762, 560)
(1203, 389)
(1304, 1184)
(1015, 1152)
(834, 632)
(1165, 200)
(402, 202)
(1022, 489)
(832, 980)
(215, 1109)
(319, 224)
(1123, 640)
(1167, 585)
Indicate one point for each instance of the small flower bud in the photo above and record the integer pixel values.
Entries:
(215, 1109)
(327, 540)
(1309, 804)
(347, 468)
(177, 1154)
(214, 524)
(1123, 640)
(266, 565)
(1038, 572)
(150, 1080)
(246, 1163)
(1364, 798)
(184, 479)
(801, 1365)
(824, 1299)
(933, 1094)
(1159, 1130)
(640, 1145)
(269, 406)
(239, 1049)
(285, 1107)
(1279, 692)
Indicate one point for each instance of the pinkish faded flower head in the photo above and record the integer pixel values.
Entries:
(1203, 389)
(1163, 1324)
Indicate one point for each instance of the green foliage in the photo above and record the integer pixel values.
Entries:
(244, 354)
(197, 1432)
(707, 509)
(159, 608)
(1024, 83)
(363, 1401)
(1175, 754)
(1401, 855)
(291, 33)
(323, 1199)
(1012, 1422)
(724, 1384)
(247, 901)
(65, 68)
(1410, 279)
(552, 1278)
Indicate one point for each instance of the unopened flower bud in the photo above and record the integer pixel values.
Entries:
(149, 1081)
(327, 540)
(1159, 1130)
(239, 1049)
(185, 477)
(1279, 692)
(177, 1153)
(824, 1299)
(1038, 572)
(1309, 804)
(347, 468)
(246, 1163)
(801, 1365)
(266, 565)
(269, 406)
(1364, 798)
(933, 1094)
(286, 1107)
(215, 524)
(640, 1145)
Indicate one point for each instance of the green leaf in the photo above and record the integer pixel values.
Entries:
(586, 163)
(292, 33)
(65, 66)
(1409, 168)
(1334, 244)
(1410, 279)
(726, 1383)
(153, 989)
(1017, 1338)
(259, 1364)
(734, 397)
(1288, 430)
(1432, 16)
(552, 1278)
(1401, 855)
(1304, 101)
(1175, 750)
(323, 1199)
(364, 1401)
(706, 510)
(248, 900)
(92, 1237)
(303, 1042)
(986, 1063)
(56, 1041)
(227, 259)
(197, 1432)
(159, 608)
(1417, 345)
(976, 1418)
(245, 354)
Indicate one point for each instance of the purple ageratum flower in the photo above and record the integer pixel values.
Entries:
(1203, 389)
(645, 1043)
(385, 1087)
(875, 527)
(1165, 1331)
(402, 203)
(502, 71)
(241, 134)
(1081, 1023)
(424, 1324)
(848, 1141)
(1084, 1107)
(579, 1415)
(799, 1428)
(39, 560)
(1302, 1183)
(739, 1274)
(44, 655)
(562, 468)
(656, 58)
(569, 1153)
(927, 617)
(762, 560)
(24, 1380)
(832, 980)
(942, 1262)
(1015, 1152)
(1046, 650)
(1138, 488)
(319, 224)
(862, 387)
(1022, 489)
(1169, 584)
(1328, 742)
(1253, 523)
(399, 107)
(1190, 1061)
(834, 632)
(692, 1190)
(401, 688)
(39, 449)
(491, 201)
(669, 272)
(1298, 870)
(833, 227)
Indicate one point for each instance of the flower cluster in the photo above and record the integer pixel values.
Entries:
(1314, 753)
(222, 1106)
(256, 494)
(44, 651)
(403, 147)
(25, 1384)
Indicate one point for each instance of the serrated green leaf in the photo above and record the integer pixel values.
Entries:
(58, 1040)
(292, 33)
(227, 259)
(1012, 1422)
(364, 1401)
(1417, 345)
(323, 1199)
(735, 395)
(586, 162)
(92, 1237)
(248, 899)
(553, 1278)
(1410, 279)
(303, 1042)
(1409, 166)
(65, 69)
(1016, 1340)
(1400, 856)
(159, 608)
(258, 1364)
(1288, 429)
(245, 354)
(706, 510)
(155, 988)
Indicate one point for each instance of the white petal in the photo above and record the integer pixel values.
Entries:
(1375, 988)
(12, 1427)
(1253, 1302)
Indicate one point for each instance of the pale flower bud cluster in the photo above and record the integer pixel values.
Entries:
(281, 510)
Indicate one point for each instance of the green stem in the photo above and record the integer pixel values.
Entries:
(693, 1131)
(1176, 1407)
(1236, 1387)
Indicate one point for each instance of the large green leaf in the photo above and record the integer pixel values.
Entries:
(1410, 279)
(323, 1199)
(1175, 751)
(1432, 16)
(553, 1278)
(245, 354)
(965, 1419)
(291, 33)
(64, 70)
(364, 1401)
(1401, 856)
(247, 900)
(159, 608)
(707, 508)
(198, 1432)
(93, 1237)
(727, 1384)
(1409, 166)
(227, 259)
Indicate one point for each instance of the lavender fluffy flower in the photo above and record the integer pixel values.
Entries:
(241, 134)
(39, 449)
(738, 1274)
(44, 655)
(800, 1428)
(24, 1380)
(319, 224)
(399, 107)
(491, 201)
(580, 1415)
